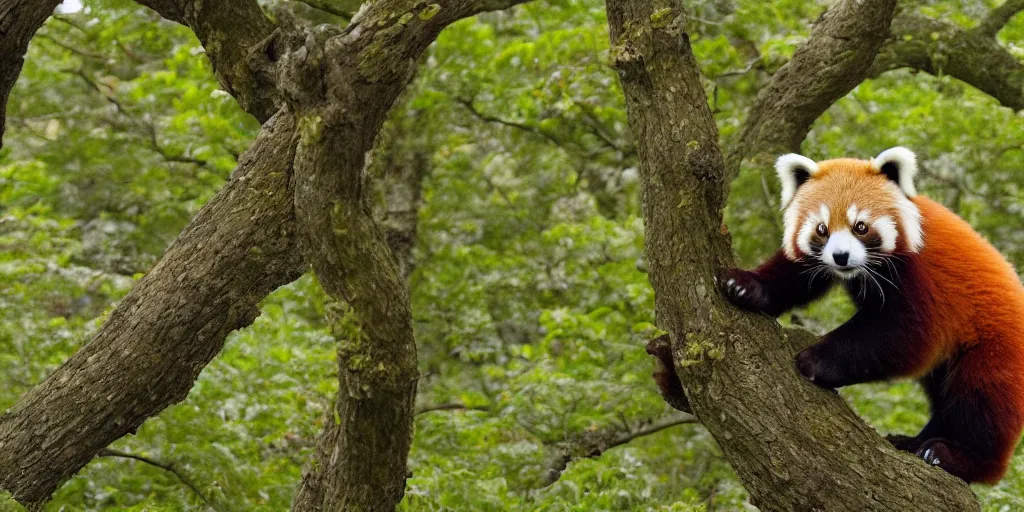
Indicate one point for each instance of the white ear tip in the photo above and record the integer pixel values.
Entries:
(791, 161)
(906, 165)
(903, 157)
(786, 167)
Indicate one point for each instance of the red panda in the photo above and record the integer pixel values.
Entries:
(935, 301)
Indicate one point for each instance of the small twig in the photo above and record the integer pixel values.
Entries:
(593, 444)
(511, 124)
(597, 128)
(70, 48)
(998, 18)
(155, 145)
(454, 406)
(107, 95)
(747, 69)
(69, 22)
(169, 467)
(325, 6)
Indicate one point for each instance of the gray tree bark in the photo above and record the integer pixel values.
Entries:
(360, 461)
(794, 446)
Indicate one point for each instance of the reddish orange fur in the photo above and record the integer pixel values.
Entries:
(977, 303)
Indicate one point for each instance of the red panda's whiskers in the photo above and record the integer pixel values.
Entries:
(872, 273)
(872, 259)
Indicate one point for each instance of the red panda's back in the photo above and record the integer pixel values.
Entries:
(977, 293)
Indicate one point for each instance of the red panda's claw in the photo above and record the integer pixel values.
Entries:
(934, 451)
(741, 289)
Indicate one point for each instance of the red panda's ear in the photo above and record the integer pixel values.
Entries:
(899, 164)
(793, 170)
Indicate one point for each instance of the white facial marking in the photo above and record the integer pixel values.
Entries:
(803, 237)
(844, 243)
(789, 229)
(910, 218)
(885, 226)
(855, 215)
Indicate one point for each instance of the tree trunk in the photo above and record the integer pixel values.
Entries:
(360, 459)
(368, 426)
(794, 446)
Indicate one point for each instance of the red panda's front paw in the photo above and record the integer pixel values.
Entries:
(818, 369)
(743, 290)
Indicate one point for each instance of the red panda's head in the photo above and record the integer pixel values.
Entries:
(844, 211)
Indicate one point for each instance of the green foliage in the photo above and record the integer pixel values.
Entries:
(530, 306)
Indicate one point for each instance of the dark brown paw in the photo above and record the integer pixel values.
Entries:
(904, 443)
(665, 373)
(812, 364)
(742, 289)
(935, 451)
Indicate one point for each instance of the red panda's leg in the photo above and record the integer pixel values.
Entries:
(977, 420)
(934, 385)
(869, 347)
(776, 286)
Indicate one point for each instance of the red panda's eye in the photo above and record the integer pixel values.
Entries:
(822, 230)
(861, 228)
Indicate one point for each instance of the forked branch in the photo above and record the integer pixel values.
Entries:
(842, 46)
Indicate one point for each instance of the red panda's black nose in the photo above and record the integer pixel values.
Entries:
(841, 258)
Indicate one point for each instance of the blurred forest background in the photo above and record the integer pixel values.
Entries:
(530, 302)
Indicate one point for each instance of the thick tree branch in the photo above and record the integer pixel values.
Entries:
(999, 17)
(941, 48)
(794, 446)
(835, 58)
(151, 348)
(240, 40)
(19, 21)
(182, 477)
